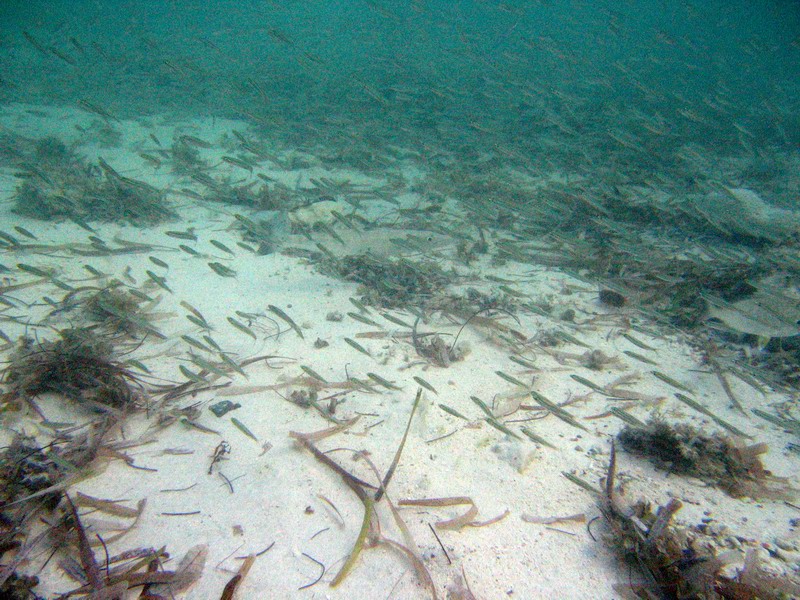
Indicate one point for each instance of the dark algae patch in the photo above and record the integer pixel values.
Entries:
(79, 365)
(716, 459)
(57, 184)
(392, 283)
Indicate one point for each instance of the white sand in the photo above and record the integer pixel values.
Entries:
(277, 494)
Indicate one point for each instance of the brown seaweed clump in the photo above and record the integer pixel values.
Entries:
(680, 562)
(33, 479)
(19, 587)
(716, 459)
(119, 312)
(26, 469)
(80, 365)
(611, 298)
(434, 349)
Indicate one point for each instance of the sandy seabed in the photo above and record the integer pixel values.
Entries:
(269, 492)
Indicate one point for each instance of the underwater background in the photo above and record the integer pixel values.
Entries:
(512, 253)
(468, 77)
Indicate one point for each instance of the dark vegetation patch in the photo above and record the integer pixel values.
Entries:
(58, 184)
(715, 459)
(79, 365)
(392, 283)
(115, 311)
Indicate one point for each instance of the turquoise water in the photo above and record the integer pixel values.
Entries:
(456, 77)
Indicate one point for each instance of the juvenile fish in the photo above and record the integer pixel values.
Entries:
(395, 320)
(242, 328)
(25, 232)
(232, 364)
(511, 379)
(313, 374)
(362, 319)
(357, 346)
(557, 410)
(190, 140)
(241, 427)
(193, 342)
(222, 270)
(158, 262)
(201, 323)
(93, 108)
(221, 246)
(425, 384)
(670, 381)
(153, 160)
(237, 162)
(384, 382)
(288, 319)
(182, 235)
(189, 251)
(452, 411)
(159, 281)
(12, 241)
(33, 270)
(190, 375)
(207, 366)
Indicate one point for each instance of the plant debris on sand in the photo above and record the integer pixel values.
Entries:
(125, 571)
(79, 365)
(683, 562)
(33, 479)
